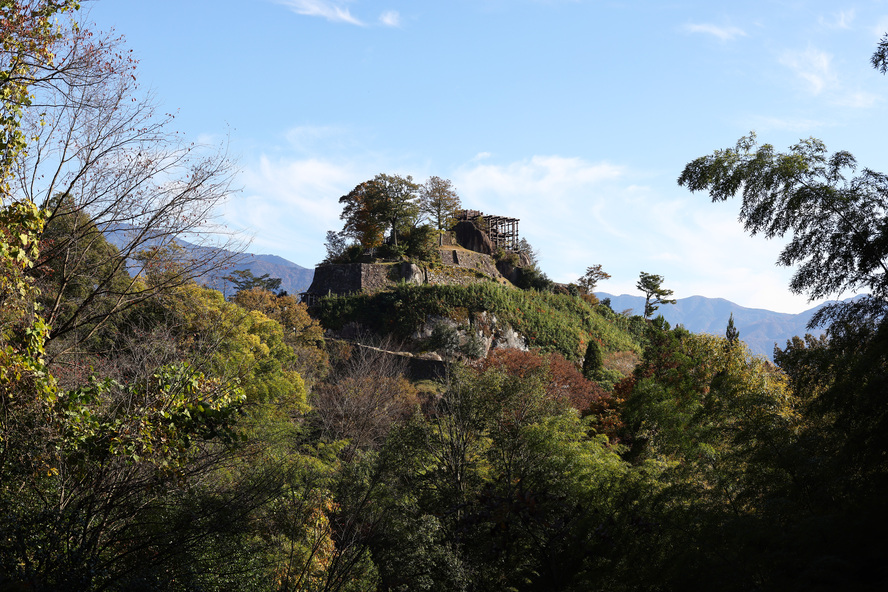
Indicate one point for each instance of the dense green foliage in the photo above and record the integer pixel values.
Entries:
(384, 203)
(592, 360)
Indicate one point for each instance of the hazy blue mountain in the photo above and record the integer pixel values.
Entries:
(294, 278)
(761, 329)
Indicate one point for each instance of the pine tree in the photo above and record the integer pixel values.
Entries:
(731, 333)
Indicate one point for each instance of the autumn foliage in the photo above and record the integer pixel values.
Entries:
(564, 383)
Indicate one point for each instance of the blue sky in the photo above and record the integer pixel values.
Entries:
(574, 116)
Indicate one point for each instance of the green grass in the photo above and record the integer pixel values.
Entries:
(552, 322)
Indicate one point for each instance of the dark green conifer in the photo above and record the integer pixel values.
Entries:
(593, 360)
(731, 333)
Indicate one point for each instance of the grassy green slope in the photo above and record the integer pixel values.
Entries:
(552, 322)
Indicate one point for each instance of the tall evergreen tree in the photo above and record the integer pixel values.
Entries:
(732, 334)
(593, 360)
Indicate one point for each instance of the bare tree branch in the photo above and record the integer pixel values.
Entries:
(108, 168)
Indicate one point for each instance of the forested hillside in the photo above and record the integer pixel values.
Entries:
(156, 435)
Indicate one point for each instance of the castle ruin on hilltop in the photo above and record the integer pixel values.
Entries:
(469, 245)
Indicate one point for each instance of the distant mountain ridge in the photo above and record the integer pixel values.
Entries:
(761, 329)
(294, 278)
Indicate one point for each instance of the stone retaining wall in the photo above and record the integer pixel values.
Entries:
(460, 267)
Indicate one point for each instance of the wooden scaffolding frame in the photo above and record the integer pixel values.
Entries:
(501, 230)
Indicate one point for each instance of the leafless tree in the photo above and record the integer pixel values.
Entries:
(364, 395)
(107, 167)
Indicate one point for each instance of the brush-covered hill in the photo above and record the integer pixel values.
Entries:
(550, 322)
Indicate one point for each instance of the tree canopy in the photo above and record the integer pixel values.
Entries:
(880, 57)
(835, 217)
(243, 279)
(439, 201)
(384, 203)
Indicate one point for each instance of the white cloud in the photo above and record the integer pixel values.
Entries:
(540, 175)
(390, 18)
(207, 139)
(289, 204)
(723, 33)
(840, 20)
(812, 66)
(336, 11)
(816, 69)
(330, 10)
(307, 138)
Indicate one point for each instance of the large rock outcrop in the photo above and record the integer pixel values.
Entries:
(468, 235)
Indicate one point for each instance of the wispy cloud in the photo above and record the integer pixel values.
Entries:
(308, 138)
(390, 18)
(812, 66)
(332, 11)
(556, 198)
(537, 176)
(858, 100)
(336, 11)
(288, 204)
(840, 20)
(723, 33)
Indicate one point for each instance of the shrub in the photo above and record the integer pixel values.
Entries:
(532, 278)
(422, 244)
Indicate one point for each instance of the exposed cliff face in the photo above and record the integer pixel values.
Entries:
(511, 270)
(484, 329)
